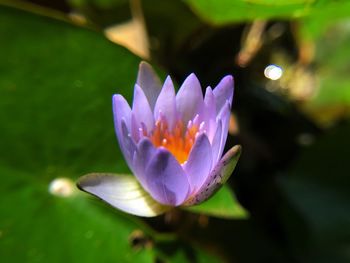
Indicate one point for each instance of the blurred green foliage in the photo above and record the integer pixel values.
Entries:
(56, 83)
(229, 11)
(99, 3)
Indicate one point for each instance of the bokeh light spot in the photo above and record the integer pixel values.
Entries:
(273, 72)
(62, 187)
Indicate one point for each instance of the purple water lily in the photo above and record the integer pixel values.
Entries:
(172, 143)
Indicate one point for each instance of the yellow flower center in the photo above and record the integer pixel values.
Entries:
(178, 141)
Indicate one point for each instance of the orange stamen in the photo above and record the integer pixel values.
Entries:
(178, 141)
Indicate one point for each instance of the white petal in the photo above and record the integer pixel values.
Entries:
(122, 192)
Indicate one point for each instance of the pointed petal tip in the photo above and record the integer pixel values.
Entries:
(208, 90)
(168, 78)
(228, 81)
(224, 91)
(144, 64)
(166, 103)
(138, 92)
(192, 77)
(118, 98)
(191, 80)
(189, 98)
(146, 73)
(149, 81)
(115, 97)
(137, 89)
(168, 82)
(229, 161)
(229, 78)
(235, 150)
(87, 180)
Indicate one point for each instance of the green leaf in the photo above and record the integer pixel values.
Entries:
(39, 227)
(230, 11)
(223, 204)
(56, 85)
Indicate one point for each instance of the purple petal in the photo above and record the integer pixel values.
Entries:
(122, 111)
(218, 176)
(135, 126)
(217, 142)
(189, 98)
(166, 180)
(141, 109)
(128, 145)
(199, 163)
(224, 117)
(148, 80)
(165, 104)
(223, 92)
(145, 152)
(122, 192)
(209, 101)
(208, 113)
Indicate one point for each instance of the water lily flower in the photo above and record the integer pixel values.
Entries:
(172, 143)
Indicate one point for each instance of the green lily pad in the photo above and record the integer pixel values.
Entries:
(223, 204)
(56, 84)
(39, 227)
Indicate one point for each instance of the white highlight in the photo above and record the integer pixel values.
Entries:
(62, 187)
(201, 126)
(195, 119)
(273, 72)
(189, 124)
